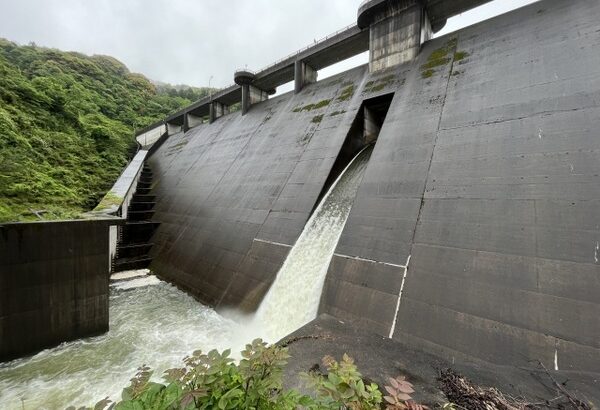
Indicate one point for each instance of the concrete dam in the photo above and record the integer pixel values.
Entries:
(472, 231)
(475, 229)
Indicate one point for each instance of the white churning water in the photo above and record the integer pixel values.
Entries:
(293, 299)
(154, 323)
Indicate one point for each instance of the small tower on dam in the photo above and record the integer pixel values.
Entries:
(397, 28)
(250, 94)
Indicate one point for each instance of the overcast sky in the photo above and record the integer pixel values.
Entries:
(188, 41)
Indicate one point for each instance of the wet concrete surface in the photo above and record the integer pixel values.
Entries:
(379, 358)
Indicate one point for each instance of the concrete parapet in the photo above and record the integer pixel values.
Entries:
(149, 137)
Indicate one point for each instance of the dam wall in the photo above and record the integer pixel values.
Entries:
(53, 283)
(233, 196)
(475, 231)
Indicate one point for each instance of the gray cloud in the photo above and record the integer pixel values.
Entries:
(187, 41)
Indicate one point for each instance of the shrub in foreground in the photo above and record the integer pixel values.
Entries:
(215, 381)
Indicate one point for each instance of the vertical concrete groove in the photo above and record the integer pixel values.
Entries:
(535, 238)
(393, 327)
(437, 134)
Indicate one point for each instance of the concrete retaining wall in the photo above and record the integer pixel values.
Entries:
(53, 284)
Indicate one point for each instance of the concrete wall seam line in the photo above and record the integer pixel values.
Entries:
(358, 258)
(393, 327)
(273, 243)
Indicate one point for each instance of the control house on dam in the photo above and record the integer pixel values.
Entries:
(474, 233)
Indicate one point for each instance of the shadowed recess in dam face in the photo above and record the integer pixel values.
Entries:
(293, 299)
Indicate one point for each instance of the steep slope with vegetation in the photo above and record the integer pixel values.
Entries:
(66, 127)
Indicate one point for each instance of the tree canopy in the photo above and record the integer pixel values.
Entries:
(67, 124)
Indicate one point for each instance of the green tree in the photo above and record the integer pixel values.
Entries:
(67, 123)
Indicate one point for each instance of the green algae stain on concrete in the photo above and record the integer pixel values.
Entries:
(317, 119)
(427, 73)
(315, 106)
(379, 84)
(460, 55)
(347, 93)
(441, 57)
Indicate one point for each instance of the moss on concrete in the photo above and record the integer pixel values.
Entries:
(380, 83)
(460, 55)
(310, 107)
(428, 73)
(333, 114)
(347, 93)
(110, 200)
(317, 119)
(441, 57)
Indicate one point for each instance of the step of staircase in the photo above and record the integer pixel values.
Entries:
(137, 197)
(143, 191)
(133, 250)
(137, 231)
(123, 264)
(141, 206)
(140, 215)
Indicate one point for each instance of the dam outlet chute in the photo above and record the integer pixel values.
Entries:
(293, 299)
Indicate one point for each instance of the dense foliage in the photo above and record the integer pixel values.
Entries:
(66, 127)
(216, 381)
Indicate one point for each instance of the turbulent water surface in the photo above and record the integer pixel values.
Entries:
(155, 325)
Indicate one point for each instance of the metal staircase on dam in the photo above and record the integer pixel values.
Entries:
(133, 246)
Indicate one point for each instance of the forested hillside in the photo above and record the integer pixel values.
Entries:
(66, 127)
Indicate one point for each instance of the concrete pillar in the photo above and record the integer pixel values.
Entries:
(245, 98)
(303, 74)
(186, 125)
(397, 28)
(173, 128)
(193, 120)
(216, 110)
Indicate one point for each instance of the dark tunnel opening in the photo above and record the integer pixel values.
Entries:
(364, 131)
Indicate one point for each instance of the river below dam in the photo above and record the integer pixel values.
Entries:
(157, 325)
(153, 323)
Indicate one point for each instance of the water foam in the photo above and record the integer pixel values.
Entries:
(157, 325)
